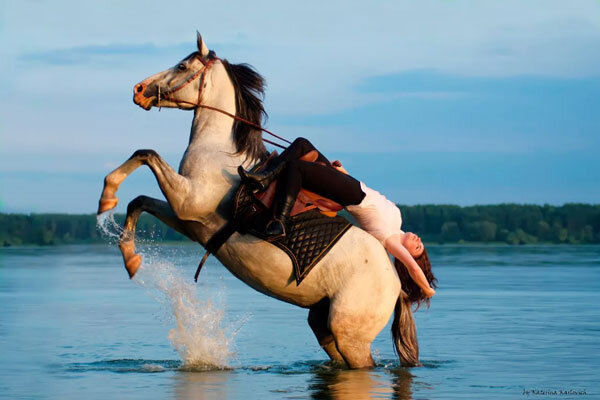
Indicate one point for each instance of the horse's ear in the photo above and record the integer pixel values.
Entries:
(202, 49)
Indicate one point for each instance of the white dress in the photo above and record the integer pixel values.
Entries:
(376, 214)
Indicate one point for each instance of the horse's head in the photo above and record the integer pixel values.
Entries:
(202, 80)
(185, 85)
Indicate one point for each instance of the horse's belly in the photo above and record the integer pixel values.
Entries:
(357, 256)
(269, 270)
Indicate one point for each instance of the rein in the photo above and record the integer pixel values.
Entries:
(201, 72)
(219, 238)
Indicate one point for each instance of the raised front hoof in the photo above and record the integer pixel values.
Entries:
(133, 264)
(107, 204)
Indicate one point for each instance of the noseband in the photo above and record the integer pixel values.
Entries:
(167, 95)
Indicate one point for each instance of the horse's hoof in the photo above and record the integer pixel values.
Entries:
(133, 264)
(107, 204)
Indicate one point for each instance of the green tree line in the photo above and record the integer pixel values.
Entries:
(49, 229)
(507, 223)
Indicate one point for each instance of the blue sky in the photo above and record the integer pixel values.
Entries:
(463, 102)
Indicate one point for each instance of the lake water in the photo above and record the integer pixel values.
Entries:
(506, 322)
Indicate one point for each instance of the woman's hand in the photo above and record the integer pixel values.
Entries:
(338, 165)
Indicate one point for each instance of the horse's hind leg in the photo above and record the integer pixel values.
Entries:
(353, 347)
(161, 210)
(361, 309)
(318, 318)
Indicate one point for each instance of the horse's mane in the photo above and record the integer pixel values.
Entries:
(249, 88)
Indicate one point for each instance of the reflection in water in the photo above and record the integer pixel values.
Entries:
(401, 383)
(72, 331)
(324, 381)
(202, 385)
(360, 384)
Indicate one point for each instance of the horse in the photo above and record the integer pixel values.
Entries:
(351, 292)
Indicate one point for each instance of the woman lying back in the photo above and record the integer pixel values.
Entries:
(373, 212)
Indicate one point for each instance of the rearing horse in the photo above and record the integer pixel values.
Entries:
(350, 293)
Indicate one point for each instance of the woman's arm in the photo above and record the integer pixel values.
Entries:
(394, 245)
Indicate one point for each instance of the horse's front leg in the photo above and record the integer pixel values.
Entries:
(161, 210)
(175, 187)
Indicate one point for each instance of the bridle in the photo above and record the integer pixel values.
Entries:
(167, 95)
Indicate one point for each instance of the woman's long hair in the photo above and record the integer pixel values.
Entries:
(412, 290)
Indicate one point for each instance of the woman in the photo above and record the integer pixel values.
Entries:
(374, 213)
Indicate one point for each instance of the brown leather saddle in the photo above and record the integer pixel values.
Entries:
(312, 229)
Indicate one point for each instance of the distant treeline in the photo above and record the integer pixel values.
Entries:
(506, 223)
(48, 229)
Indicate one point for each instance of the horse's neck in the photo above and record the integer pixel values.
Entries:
(211, 132)
(211, 146)
(212, 160)
(210, 127)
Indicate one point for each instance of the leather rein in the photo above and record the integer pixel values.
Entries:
(166, 95)
(221, 236)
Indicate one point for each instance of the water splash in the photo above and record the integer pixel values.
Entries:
(200, 337)
(108, 227)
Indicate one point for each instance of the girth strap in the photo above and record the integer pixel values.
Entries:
(215, 242)
(222, 235)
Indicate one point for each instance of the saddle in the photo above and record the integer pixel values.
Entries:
(312, 229)
(309, 233)
(306, 200)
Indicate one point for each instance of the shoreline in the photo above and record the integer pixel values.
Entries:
(509, 224)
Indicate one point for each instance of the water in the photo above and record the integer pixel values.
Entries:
(505, 321)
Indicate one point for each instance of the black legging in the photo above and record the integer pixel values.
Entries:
(300, 147)
(323, 180)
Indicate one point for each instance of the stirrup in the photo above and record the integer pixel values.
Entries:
(275, 229)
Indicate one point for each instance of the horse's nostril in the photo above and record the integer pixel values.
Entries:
(139, 88)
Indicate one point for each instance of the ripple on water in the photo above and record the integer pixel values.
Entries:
(126, 365)
(300, 367)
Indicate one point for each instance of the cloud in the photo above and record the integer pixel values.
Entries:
(430, 80)
(95, 53)
(444, 112)
(312, 69)
(406, 177)
(381, 77)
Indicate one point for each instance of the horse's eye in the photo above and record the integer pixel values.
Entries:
(181, 67)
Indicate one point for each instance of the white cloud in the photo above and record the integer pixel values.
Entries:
(313, 54)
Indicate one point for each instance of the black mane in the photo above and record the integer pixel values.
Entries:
(249, 88)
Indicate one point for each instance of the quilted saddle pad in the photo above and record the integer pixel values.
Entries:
(309, 234)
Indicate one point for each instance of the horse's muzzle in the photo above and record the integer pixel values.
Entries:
(143, 96)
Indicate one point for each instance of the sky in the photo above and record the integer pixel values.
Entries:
(429, 102)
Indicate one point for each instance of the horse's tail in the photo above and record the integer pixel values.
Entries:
(404, 330)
